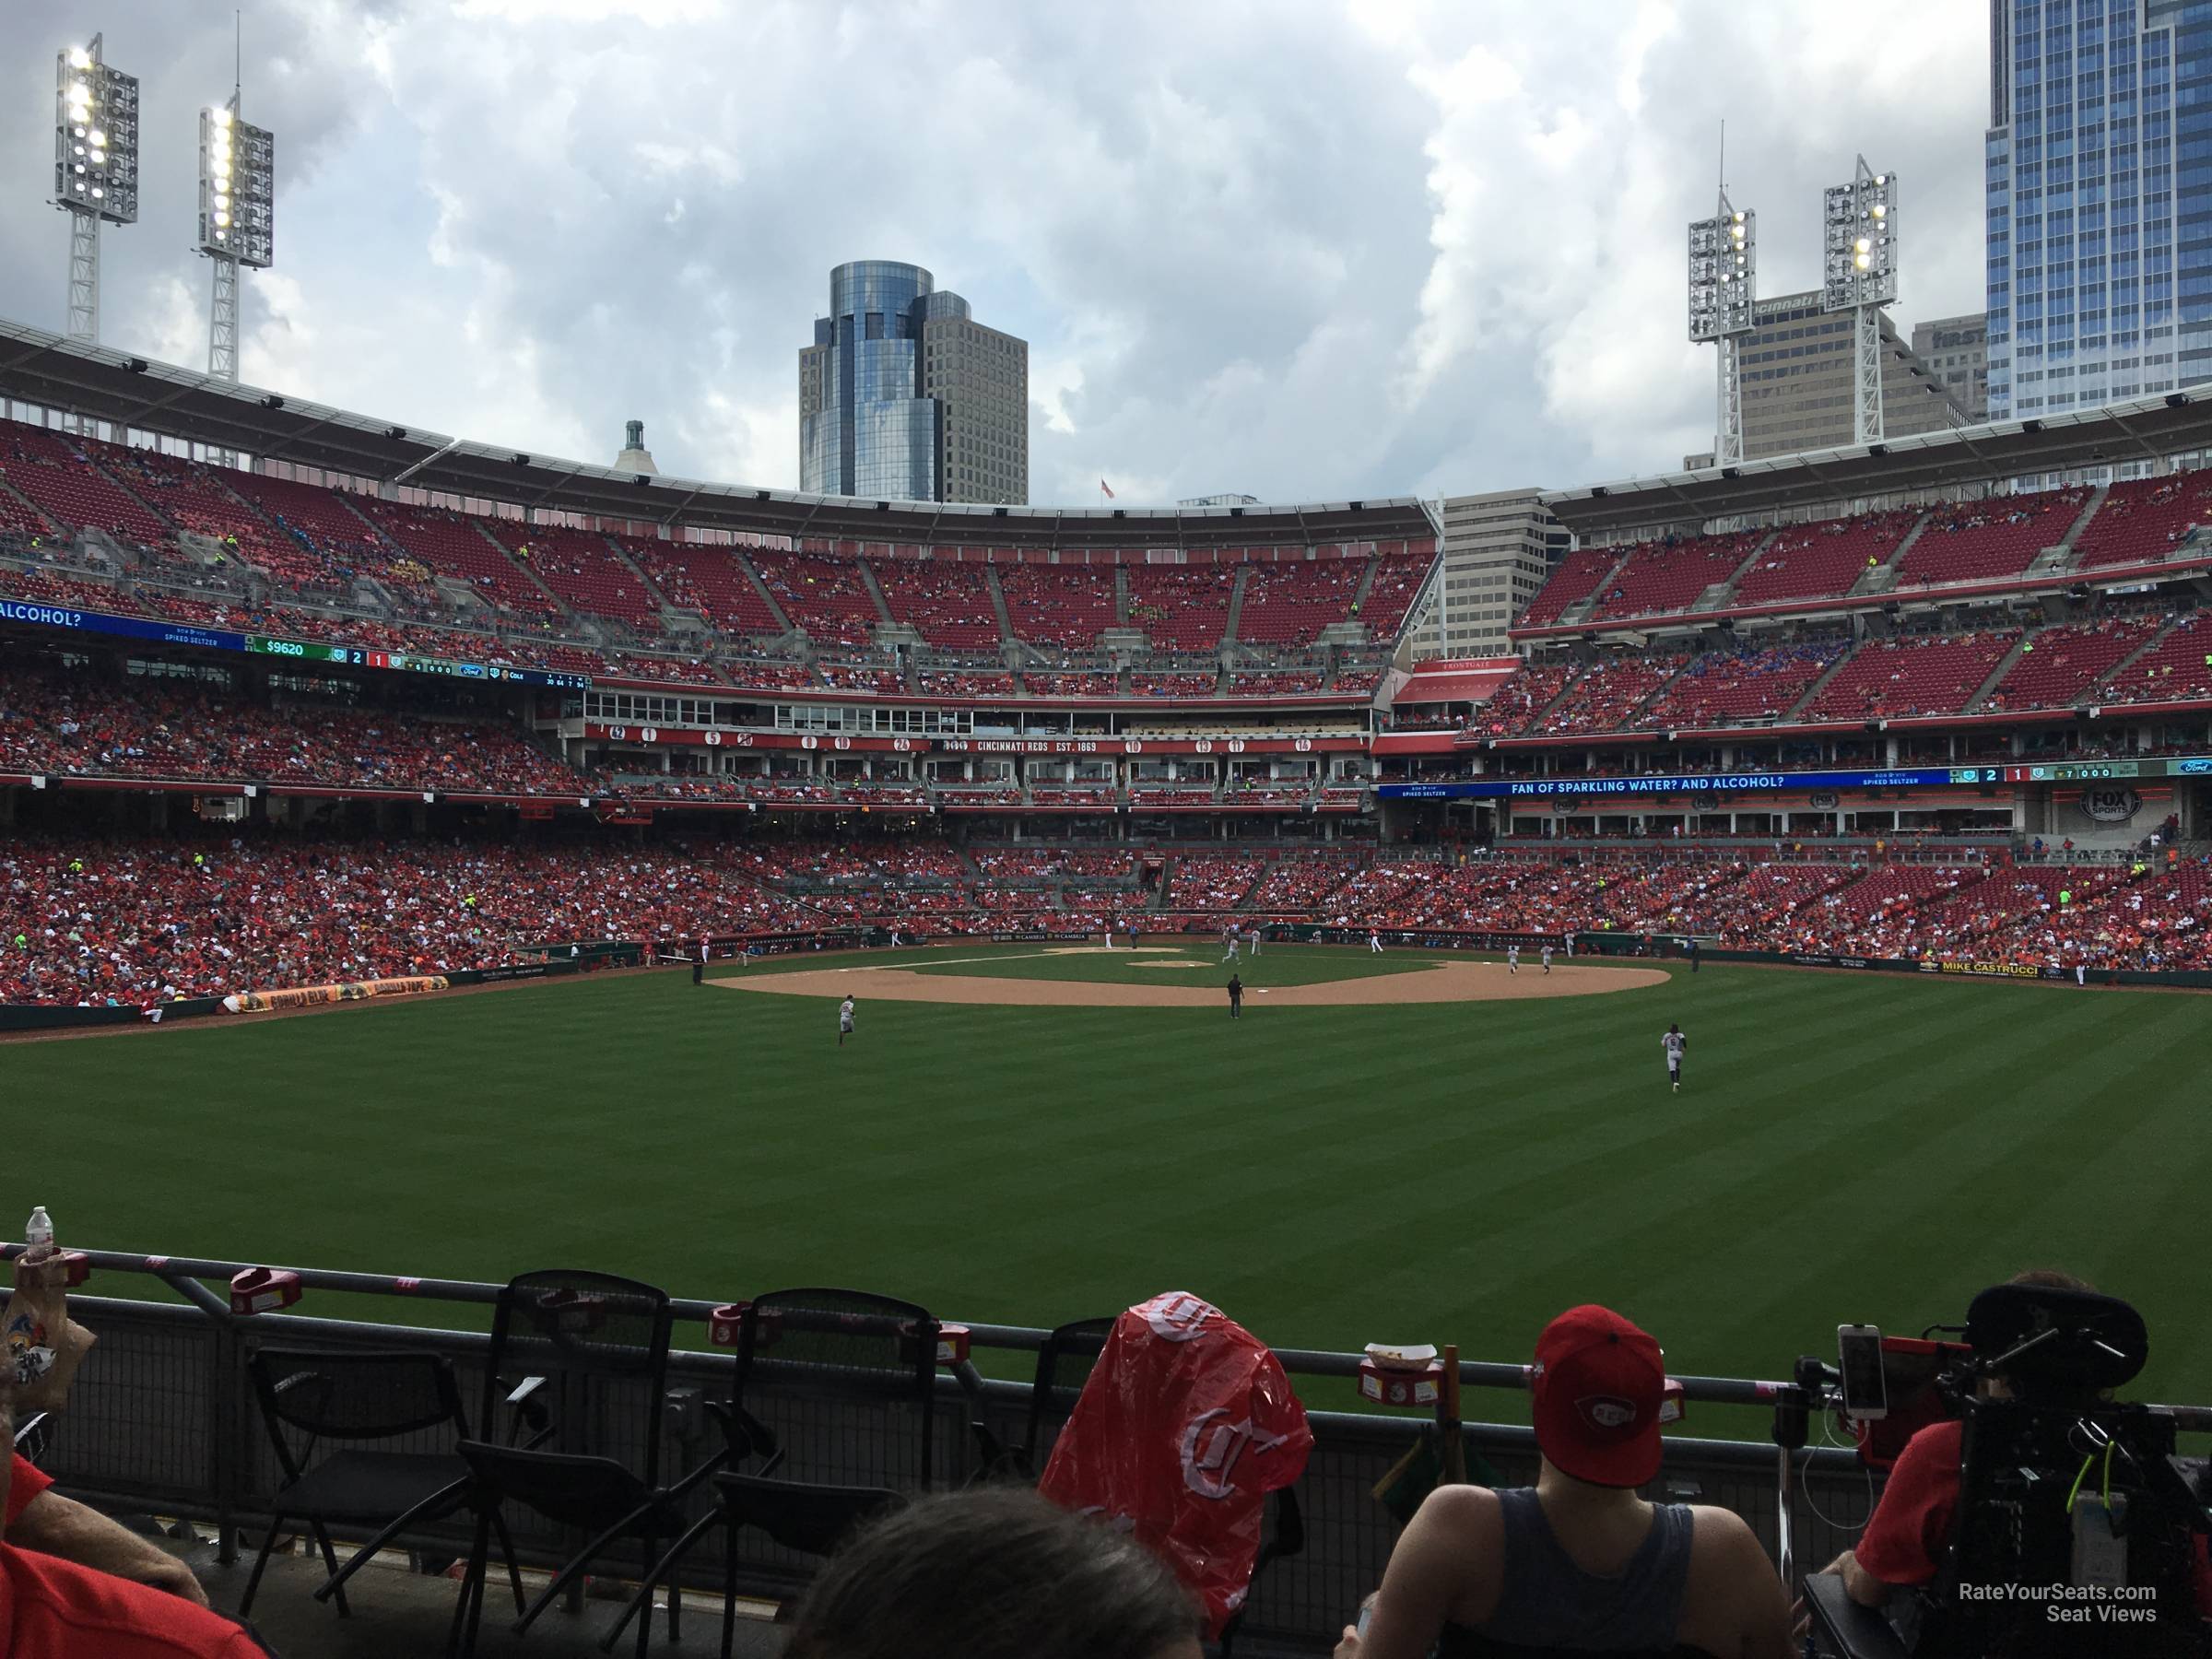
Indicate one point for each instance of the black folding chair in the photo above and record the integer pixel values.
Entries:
(575, 1333)
(31, 1436)
(846, 1347)
(1065, 1361)
(1283, 1535)
(309, 1397)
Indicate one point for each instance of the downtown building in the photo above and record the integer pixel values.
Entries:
(1498, 549)
(2098, 197)
(904, 397)
(1797, 374)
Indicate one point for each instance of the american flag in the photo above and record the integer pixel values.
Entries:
(1105, 490)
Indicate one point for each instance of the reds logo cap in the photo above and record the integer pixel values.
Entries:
(1598, 1383)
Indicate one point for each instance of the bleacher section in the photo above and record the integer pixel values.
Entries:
(2058, 666)
(2178, 669)
(1928, 674)
(584, 573)
(1823, 560)
(452, 545)
(1182, 607)
(949, 605)
(1575, 580)
(43, 466)
(2144, 519)
(1661, 576)
(1066, 606)
(1399, 571)
(1290, 604)
(1729, 688)
(828, 597)
(708, 580)
(1605, 694)
(1982, 541)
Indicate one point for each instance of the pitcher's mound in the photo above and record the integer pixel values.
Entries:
(1439, 982)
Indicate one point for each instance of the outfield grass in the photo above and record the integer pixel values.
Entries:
(1848, 1146)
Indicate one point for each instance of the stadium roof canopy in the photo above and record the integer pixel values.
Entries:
(1925, 464)
(39, 366)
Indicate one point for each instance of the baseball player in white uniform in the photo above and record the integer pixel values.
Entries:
(1548, 958)
(845, 1021)
(1232, 947)
(1673, 1043)
(1375, 942)
(1512, 958)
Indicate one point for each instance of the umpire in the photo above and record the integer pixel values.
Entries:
(1235, 997)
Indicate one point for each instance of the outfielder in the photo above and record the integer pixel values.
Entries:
(1673, 1043)
(845, 1021)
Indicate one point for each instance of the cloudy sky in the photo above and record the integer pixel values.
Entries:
(1304, 251)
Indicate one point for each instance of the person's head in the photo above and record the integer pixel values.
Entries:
(1599, 1384)
(1998, 1385)
(996, 1574)
(1672, 1026)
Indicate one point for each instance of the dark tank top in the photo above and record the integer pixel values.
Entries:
(1546, 1600)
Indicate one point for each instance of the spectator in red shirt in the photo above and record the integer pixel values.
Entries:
(51, 1608)
(40, 1518)
(1911, 1528)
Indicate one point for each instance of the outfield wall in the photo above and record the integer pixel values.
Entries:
(557, 961)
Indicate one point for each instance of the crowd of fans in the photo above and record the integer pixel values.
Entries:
(55, 723)
(97, 919)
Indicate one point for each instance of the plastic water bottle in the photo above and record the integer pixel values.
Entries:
(38, 1233)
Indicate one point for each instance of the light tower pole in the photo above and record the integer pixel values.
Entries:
(238, 169)
(1859, 275)
(1724, 287)
(95, 168)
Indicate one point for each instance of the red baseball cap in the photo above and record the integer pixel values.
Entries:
(1598, 1382)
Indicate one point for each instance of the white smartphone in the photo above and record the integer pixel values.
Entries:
(1859, 1357)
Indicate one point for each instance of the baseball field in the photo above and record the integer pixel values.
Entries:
(1407, 1146)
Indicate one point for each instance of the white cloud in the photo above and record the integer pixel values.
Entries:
(1306, 251)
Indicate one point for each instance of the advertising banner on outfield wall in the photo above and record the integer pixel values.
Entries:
(311, 997)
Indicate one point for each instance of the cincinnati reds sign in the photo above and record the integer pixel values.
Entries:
(1211, 1447)
(1178, 1317)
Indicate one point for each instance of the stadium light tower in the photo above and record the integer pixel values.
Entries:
(95, 168)
(238, 219)
(1859, 275)
(1723, 291)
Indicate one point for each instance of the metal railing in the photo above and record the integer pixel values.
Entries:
(162, 1420)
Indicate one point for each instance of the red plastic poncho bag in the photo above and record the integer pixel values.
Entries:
(1185, 1426)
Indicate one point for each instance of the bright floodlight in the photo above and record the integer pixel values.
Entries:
(1861, 261)
(1724, 268)
(95, 136)
(238, 188)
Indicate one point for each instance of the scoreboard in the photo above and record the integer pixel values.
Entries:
(353, 656)
(2077, 772)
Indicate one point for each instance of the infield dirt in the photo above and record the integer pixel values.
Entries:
(1439, 982)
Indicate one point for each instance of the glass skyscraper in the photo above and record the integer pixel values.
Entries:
(904, 397)
(2099, 190)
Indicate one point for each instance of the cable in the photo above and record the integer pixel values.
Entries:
(2081, 1474)
(1806, 1493)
